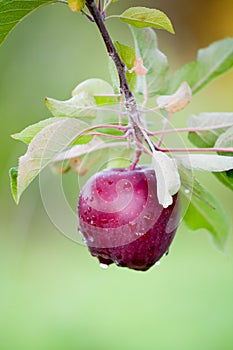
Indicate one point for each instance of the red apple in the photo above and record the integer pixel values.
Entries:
(121, 220)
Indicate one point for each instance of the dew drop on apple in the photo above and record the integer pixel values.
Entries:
(103, 266)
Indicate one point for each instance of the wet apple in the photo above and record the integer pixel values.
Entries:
(122, 221)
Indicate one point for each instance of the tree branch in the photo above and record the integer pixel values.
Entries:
(130, 102)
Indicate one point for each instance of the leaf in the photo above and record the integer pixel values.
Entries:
(44, 147)
(141, 17)
(92, 87)
(94, 145)
(168, 179)
(226, 140)
(191, 186)
(84, 157)
(128, 57)
(13, 173)
(177, 101)
(12, 12)
(206, 162)
(154, 60)
(76, 5)
(215, 123)
(79, 106)
(212, 218)
(211, 62)
(27, 134)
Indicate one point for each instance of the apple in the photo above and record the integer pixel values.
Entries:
(122, 221)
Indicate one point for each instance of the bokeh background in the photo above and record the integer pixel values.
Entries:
(53, 295)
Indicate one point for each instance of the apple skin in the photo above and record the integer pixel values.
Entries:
(121, 220)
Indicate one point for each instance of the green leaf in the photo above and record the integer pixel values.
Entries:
(98, 89)
(214, 123)
(218, 124)
(128, 56)
(226, 140)
(44, 147)
(211, 62)
(153, 59)
(13, 173)
(78, 106)
(12, 12)
(76, 5)
(191, 186)
(212, 218)
(27, 134)
(142, 17)
(206, 162)
(84, 157)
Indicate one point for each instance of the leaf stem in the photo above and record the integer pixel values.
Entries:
(118, 137)
(196, 149)
(194, 129)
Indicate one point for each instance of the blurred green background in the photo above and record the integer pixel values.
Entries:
(53, 295)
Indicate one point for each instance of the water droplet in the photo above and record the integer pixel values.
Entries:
(132, 226)
(103, 221)
(91, 239)
(187, 191)
(110, 182)
(91, 199)
(126, 186)
(104, 266)
(157, 263)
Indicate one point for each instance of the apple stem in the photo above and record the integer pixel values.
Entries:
(136, 159)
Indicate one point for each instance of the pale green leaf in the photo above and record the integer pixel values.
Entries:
(142, 17)
(85, 157)
(206, 162)
(92, 87)
(168, 179)
(28, 133)
(191, 185)
(200, 215)
(78, 106)
(154, 60)
(13, 11)
(214, 123)
(226, 140)
(211, 62)
(44, 147)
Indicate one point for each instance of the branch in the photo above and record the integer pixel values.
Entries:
(97, 16)
(130, 102)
